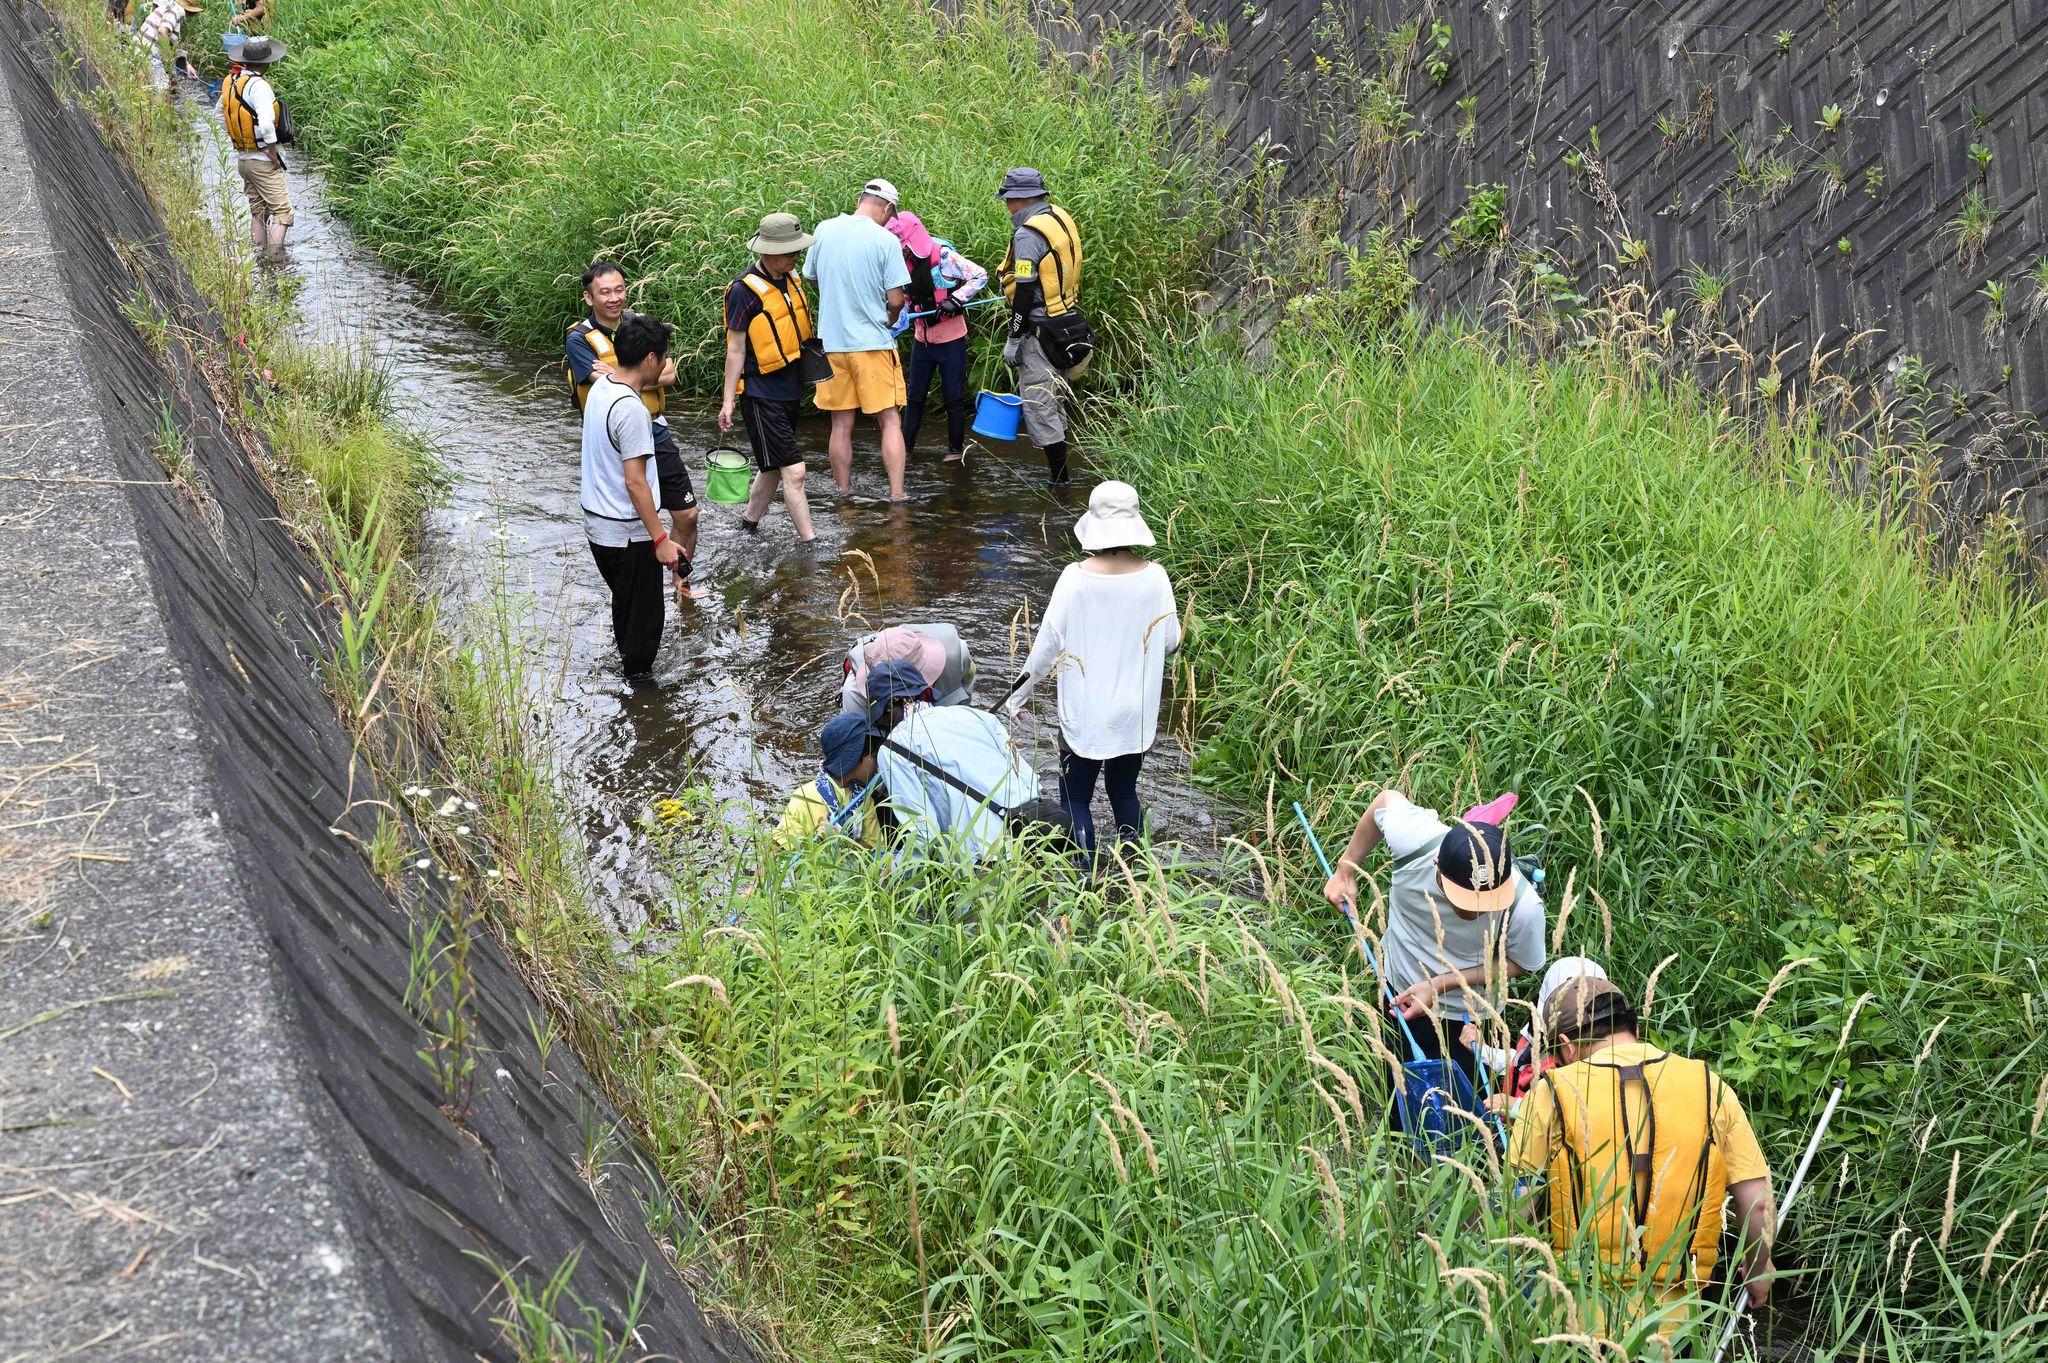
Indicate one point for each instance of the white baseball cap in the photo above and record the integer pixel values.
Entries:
(882, 189)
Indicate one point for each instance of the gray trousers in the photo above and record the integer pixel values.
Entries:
(1043, 389)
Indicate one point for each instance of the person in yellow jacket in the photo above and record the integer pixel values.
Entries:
(767, 324)
(1637, 1149)
(1041, 276)
(252, 112)
(819, 806)
(587, 355)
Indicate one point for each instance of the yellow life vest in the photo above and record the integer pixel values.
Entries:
(237, 113)
(775, 334)
(655, 400)
(1635, 1167)
(1059, 272)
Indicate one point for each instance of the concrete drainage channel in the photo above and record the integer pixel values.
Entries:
(215, 1140)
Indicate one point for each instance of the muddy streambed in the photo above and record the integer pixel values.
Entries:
(747, 675)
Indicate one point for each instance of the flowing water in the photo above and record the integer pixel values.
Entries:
(747, 675)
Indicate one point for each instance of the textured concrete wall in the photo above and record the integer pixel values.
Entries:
(1682, 95)
(218, 1140)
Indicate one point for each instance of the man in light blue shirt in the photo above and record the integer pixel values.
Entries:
(962, 813)
(860, 272)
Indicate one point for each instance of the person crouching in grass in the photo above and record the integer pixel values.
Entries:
(620, 515)
(821, 805)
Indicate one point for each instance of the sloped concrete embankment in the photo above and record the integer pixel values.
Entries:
(1800, 178)
(216, 1140)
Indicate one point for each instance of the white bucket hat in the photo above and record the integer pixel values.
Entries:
(1113, 521)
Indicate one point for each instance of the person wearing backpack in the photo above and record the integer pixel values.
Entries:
(257, 123)
(1634, 1151)
(1462, 920)
(1049, 338)
(942, 282)
(957, 786)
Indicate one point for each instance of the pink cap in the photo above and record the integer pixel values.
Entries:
(921, 651)
(910, 230)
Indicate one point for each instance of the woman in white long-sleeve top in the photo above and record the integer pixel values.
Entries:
(1106, 633)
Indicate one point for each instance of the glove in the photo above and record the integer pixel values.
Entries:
(950, 308)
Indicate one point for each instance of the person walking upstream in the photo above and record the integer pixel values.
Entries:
(587, 352)
(251, 110)
(942, 283)
(767, 325)
(620, 516)
(1461, 920)
(1636, 1151)
(1041, 276)
(1108, 629)
(859, 270)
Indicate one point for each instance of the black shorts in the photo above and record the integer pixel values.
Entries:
(672, 473)
(771, 430)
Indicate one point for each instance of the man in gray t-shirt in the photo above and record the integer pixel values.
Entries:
(1461, 920)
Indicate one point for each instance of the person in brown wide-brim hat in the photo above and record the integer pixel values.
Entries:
(771, 355)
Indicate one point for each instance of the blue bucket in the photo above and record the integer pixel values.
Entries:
(1429, 1090)
(996, 415)
(230, 41)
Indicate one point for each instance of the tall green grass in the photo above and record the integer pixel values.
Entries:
(1762, 728)
(497, 150)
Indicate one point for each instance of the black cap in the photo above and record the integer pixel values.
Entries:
(1477, 867)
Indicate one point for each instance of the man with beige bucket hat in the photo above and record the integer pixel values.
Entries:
(770, 344)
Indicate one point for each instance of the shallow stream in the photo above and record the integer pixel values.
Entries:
(747, 675)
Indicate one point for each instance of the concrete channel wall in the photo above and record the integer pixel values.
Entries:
(216, 1139)
(1699, 128)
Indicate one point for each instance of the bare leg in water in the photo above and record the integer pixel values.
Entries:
(793, 497)
(839, 450)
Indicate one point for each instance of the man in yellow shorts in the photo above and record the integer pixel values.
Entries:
(1637, 1150)
(861, 275)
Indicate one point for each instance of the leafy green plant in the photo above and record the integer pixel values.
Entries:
(1980, 157)
(1437, 63)
(1634, 251)
(1968, 231)
(1873, 181)
(1468, 121)
(1783, 39)
(1482, 226)
(1375, 288)
(1843, 247)
(1830, 120)
(1993, 294)
(544, 1321)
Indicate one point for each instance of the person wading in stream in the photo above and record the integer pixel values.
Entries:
(1634, 1152)
(1461, 920)
(942, 283)
(1107, 632)
(588, 353)
(957, 786)
(767, 327)
(620, 516)
(859, 270)
(256, 124)
(1049, 340)
(820, 805)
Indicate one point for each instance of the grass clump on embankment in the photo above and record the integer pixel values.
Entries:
(497, 149)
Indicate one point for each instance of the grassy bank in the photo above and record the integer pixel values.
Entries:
(496, 155)
(1793, 774)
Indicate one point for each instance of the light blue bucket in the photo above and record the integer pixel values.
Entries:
(996, 415)
(231, 41)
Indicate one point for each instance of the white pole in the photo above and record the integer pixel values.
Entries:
(1827, 1114)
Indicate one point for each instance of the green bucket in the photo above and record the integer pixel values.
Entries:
(729, 474)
